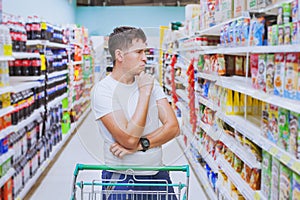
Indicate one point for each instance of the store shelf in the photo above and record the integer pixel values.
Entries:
(59, 73)
(207, 103)
(6, 156)
(6, 89)
(4, 111)
(182, 94)
(57, 100)
(77, 62)
(46, 43)
(228, 50)
(198, 171)
(215, 30)
(211, 131)
(5, 132)
(21, 86)
(243, 85)
(247, 157)
(6, 58)
(29, 119)
(237, 180)
(275, 49)
(26, 78)
(209, 160)
(7, 176)
(21, 55)
(207, 76)
(271, 7)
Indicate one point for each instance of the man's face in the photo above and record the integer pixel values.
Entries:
(135, 58)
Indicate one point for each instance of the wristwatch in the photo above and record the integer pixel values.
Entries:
(145, 144)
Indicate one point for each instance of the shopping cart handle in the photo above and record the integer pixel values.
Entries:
(183, 168)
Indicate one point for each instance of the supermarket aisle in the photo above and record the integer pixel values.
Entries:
(85, 147)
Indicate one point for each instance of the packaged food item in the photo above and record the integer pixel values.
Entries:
(261, 77)
(284, 135)
(279, 74)
(242, 104)
(296, 186)
(280, 15)
(295, 36)
(270, 35)
(270, 74)
(280, 34)
(295, 10)
(255, 179)
(245, 32)
(221, 68)
(255, 107)
(274, 40)
(246, 173)
(239, 65)
(266, 174)
(249, 105)
(254, 70)
(288, 33)
(238, 164)
(294, 131)
(291, 75)
(236, 103)
(207, 64)
(229, 102)
(275, 179)
(230, 65)
(298, 87)
(253, 149)
(273, 133)
(286, 12)
(285, 182)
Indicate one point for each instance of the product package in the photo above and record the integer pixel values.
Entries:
(288, 33)
(265, 119)
(294, 130)
(273, 133)
(279, 74)
(270, 74)
(261, 77)
(266, 174)
(296, 186)
(283, 124)
(275, 178)
(285, 182)
(274, 40)
(291, 75)
(254, 70)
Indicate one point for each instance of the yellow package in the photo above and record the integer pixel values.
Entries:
(242, 103)
(229, 102)
(249, 105)
(255, 108)
(236, 103)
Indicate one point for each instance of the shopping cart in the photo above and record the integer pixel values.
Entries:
(102, 189)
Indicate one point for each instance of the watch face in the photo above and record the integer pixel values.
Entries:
(145, 143)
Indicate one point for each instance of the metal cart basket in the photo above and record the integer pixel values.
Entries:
(104, 189)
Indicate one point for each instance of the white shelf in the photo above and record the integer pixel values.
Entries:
(6, 58)
(57, 100)
(6, 156)
(271, 7)
(207, 103)
(5, 132)
(215, 30)
(7, 176)
(4, 111)
(21, 86)
(228, 50)
(243, 85)
(26, 78)
(59, 73)
(77, 62)
(29, 119)
(6, 89)
(182, 94)
(21, 55)
(46, 43)
(207, 76)
(237, 180)
(211, 131)
(199, 172)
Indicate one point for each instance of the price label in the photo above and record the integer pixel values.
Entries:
(285, 159)
(274, 151)
(296, 166)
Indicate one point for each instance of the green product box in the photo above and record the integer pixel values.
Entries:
(274, 35)
(275, 178)
(283, 125)
(270, 71)
(294, 130)
(65, 103)
(285, 184)
(266, 174)
(296, 186)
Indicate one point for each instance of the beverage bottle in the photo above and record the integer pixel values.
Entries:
(26, 67)
(2, 40)
(36, 28)
(36, 66)
(18, 67)
(22, 34)
(8, 42)
(44, 28)
(28, 26)
(11, 67)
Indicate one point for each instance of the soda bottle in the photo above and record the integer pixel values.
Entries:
(26, 67)
(22, 34)
(36, 28)
(18, 67)
(44, 35)
(36, 66)
(28, 27)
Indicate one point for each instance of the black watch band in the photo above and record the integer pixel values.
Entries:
(145, 144)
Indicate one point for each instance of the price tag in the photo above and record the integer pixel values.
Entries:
(43, 62)
(274, 151)
(285, 159)
(296, 166)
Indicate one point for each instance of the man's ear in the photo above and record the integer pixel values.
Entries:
(119, 55)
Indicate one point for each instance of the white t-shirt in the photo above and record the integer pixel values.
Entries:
(108, 96)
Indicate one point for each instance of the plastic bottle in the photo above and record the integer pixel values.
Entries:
(28, 26)
(36, 28)
(44, 35)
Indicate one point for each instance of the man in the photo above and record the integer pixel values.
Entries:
(132, 111)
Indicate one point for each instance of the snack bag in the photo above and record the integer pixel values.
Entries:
(279, 74)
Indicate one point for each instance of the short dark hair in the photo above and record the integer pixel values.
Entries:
(122, 37)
